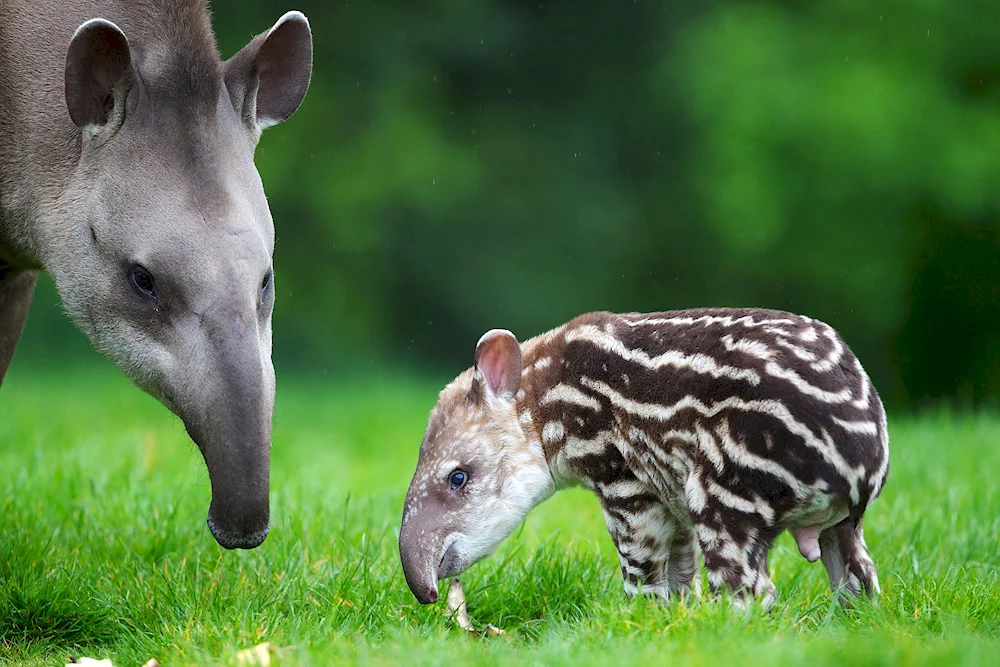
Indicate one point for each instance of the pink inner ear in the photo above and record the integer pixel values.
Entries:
(498, 358)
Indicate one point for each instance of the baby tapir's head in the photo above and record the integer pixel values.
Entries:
(480, 471)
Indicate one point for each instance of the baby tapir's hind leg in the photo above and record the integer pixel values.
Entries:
(736, 557)
(845, 556)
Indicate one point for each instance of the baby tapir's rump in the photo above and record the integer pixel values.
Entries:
(708, 430)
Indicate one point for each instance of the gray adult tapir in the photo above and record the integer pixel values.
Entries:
(127, 172)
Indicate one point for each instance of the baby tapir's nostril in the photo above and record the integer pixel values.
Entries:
(432, 595)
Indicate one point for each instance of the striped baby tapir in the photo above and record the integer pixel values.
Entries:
(707, 431)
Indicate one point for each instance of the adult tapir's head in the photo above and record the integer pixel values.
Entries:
(163, 254)
(478, 474)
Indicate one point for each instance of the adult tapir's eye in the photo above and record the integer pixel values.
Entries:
(457, 479)
(142, 280)
(265, 285)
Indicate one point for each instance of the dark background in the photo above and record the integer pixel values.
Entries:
(462, 165)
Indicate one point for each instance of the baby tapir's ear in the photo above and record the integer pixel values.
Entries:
(498, 363)
(97, 62)
(268, 79)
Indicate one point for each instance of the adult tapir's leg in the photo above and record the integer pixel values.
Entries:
(16, 288)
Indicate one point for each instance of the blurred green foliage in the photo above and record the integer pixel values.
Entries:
(465, 165)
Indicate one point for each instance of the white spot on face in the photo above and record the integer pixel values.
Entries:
(525, 417)
(445, 468)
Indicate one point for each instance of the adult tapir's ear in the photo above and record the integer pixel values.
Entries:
(268, 79)
(98, 63)
(498, 363)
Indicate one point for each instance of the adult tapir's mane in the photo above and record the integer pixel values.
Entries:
(176, 48)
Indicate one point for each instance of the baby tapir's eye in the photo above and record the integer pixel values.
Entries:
(457, 479)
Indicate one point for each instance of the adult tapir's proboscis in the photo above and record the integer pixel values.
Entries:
(127, 172)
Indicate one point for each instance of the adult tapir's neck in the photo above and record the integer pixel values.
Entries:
(39, 144)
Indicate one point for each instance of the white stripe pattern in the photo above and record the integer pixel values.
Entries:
(699, 363)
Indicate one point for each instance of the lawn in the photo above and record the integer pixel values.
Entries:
(104, 551)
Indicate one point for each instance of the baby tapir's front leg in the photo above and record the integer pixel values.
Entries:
(657, 552)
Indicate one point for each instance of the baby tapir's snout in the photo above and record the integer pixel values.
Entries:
(421, 549)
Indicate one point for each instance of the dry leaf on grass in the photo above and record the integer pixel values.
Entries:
(494, 631)
(456, 606)
(458, 611)
(106, 662)
(261, 654)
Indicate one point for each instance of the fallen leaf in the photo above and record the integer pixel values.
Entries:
(458, 611)
(493, 631)
(456, 605)
(258, 655)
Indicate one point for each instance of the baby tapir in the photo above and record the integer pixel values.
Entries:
(708, 430)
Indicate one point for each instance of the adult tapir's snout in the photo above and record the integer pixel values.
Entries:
(227, 405)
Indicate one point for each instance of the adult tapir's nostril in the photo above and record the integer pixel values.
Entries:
(243, 539)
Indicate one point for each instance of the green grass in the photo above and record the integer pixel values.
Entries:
(104, 551)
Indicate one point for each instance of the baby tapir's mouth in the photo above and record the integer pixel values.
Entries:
(449, 565)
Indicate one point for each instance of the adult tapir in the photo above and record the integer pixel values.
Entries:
(127, 173)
